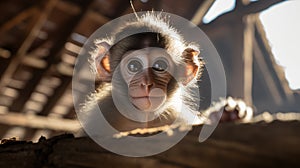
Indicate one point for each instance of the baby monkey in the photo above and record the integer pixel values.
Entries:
(148, 78)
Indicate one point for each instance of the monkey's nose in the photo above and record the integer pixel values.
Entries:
(148, 85)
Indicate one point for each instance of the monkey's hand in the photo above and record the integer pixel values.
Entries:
(233, 110)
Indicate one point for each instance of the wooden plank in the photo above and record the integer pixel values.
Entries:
(33, 121)
(236, 145)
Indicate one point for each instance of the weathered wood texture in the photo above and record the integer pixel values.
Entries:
(276, 144)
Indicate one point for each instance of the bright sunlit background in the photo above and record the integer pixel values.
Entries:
(283, 31)
(282, 26)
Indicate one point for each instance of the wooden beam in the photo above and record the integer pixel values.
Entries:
(248, 57)
(68, 7)
(241, 10)
(97, 17)
(202, 10)
(7, 75)
(276, 144)
(33, 121)
(18, 19)
(34, 62)
(55, 52)
(257, 6)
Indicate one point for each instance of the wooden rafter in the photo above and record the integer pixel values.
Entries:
(255, 7)
(202, 10)
(7, 75)
(33, 121)
(61, 37)
(18, 19)
(240, 11)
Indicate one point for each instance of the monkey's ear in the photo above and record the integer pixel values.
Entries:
(192, 65)
(102, 61)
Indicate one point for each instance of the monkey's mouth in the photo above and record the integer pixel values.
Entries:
(146, 97)
(147, 103)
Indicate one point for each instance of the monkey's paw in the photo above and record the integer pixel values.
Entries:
(233, 110)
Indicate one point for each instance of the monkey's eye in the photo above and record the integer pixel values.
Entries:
(134, 66)
(160, 65)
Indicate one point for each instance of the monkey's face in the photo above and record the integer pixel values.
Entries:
(147, 73)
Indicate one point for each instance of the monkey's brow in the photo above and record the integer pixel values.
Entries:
(132, 53)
